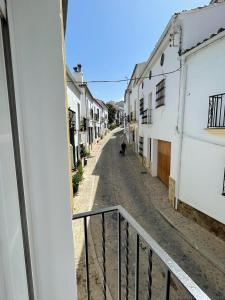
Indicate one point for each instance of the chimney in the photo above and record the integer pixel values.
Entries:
(78, 74)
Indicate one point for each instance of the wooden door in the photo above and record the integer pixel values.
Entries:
(164, 156)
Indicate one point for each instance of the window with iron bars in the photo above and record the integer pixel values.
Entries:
(141, 106)
(160, 93)
(141, 145)
(216, 112)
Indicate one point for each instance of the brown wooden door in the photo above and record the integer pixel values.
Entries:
(164, 154)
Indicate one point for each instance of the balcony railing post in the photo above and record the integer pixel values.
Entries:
(127, 260)
(119, 256)
(137, 268)
(86, 258)
(168, 276)
(149, 274)
(103, 256)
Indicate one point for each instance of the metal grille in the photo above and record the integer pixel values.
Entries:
(147, 116)
(141, 106)
(141, 145)
(126, 290)
(216, 112)
(160, 93)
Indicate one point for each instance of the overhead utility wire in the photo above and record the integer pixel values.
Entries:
(123, 80)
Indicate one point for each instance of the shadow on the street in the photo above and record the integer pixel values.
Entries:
(123, 181)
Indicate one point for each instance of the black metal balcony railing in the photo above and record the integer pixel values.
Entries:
(141, 143)
(127, 227)
(147, 116)
(141, 106)
(216, 112)
(96, 117)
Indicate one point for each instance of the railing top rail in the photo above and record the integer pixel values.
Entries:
(95, 212)
(222, 94)
(186, 281)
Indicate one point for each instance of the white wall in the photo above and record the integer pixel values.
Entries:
(13, 283)
(207, 20)
(37, 51)
(203, 153)
(73, 102)
(164, 118)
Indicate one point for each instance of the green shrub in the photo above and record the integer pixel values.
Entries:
(112, 126)
(79, 163)
(78, 177)
(87, 152)
(80, 172)
(84, 152)
(76, 182)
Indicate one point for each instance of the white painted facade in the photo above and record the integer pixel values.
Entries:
(103, 117)
(41, 110)
(74, 105)
(166, 120)
(203, 151)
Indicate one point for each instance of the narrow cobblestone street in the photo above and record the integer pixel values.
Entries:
(122, 180)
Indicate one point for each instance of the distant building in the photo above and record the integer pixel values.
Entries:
(94, 113)
(74, 117)
(119, 116)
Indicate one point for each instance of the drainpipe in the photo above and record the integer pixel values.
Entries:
(181, 125)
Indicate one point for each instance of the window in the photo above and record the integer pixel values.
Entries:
(142, 85)
(160, 93)
(162, 59)
(150, 150)
(150, 101)
(141, 106)
(141, 145)
(150, 75)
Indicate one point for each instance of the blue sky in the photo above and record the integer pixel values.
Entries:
(109, 36)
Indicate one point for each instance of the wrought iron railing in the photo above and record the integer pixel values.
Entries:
(141, 145)
(96, 117)
(127, 228)
(216, 112)
(147, 116)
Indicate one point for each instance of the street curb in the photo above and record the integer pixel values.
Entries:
(188, 240)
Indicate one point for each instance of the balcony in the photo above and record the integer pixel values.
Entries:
(147, 116)
(96, 117)
(216, 112)
(130, 261)
(141, 143)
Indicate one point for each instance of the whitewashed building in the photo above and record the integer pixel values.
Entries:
(153, 95)
(202, 153)
(131, 109)
(94, 114)
(103, 117)
(74, 116)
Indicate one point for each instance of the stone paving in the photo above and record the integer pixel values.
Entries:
(111, 179)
